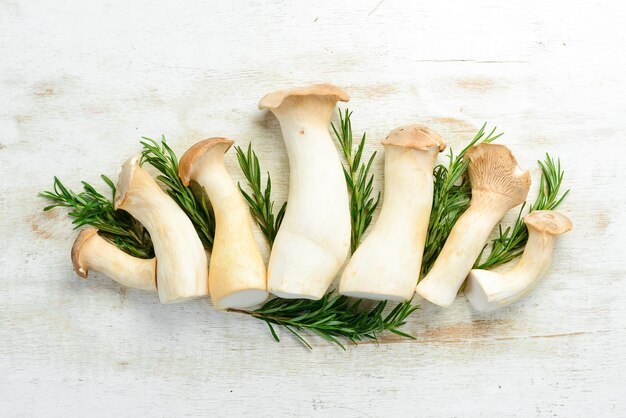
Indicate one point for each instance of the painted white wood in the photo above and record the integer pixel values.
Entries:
(81, 81)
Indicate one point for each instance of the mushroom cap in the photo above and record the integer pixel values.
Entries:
(494, 169)
(125, 179)
(416, 137)
(85, 235)
(196, 151)
(276, 98)
(548, 221)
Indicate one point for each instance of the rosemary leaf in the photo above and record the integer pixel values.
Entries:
(90, 207)
(332, 317)
(260, 202)
(358, 179)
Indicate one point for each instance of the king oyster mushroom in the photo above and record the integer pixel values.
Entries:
(182, 271)
(387, 263)
(92, 252)
(487, 290)
(237, 277)
(498, 185)
(314, 237)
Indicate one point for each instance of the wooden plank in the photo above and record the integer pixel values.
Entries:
(82, 81)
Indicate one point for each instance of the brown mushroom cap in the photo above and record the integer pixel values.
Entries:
(274, 99)
(85, 235)
(196, 151)
(416, 137)
(494, 169)
(548, 221)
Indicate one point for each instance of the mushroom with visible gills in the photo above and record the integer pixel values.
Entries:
(498, 184)
(182, 271)
(314, 238)
(387, 264)
(488, 290)
(92, 252)
(237, 277)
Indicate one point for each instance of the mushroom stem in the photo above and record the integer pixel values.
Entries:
(386, 264)
(92, 252)
(314, 237)
(487, 290)
(237, 277)
(182, 264)
(498, 185)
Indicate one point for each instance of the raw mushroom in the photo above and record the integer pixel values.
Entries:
(182, 264)
(237, 277)
(314, 238)
(498, 184)
(387, 264)
(92, 252)
(488, 290)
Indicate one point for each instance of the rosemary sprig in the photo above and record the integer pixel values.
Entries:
(359, 181)
(510, 242)
(195, 205)
(261, 204)
(90, 207)
(334, 316)
(451, 197)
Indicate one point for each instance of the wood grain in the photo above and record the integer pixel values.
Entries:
(81, 81)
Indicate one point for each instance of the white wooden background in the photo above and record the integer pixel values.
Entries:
(81, 81)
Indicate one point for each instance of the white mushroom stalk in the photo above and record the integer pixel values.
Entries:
(92, 252)
(488, 290)
(182, 271)
(237, 277)
(498, 185)
(314, 237)
(387, 263)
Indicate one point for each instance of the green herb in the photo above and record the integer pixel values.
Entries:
(195, 205)
(451, 197)
(333, 316)
(359, 181)
(511, 241)
(89, 207)
(261, 204)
